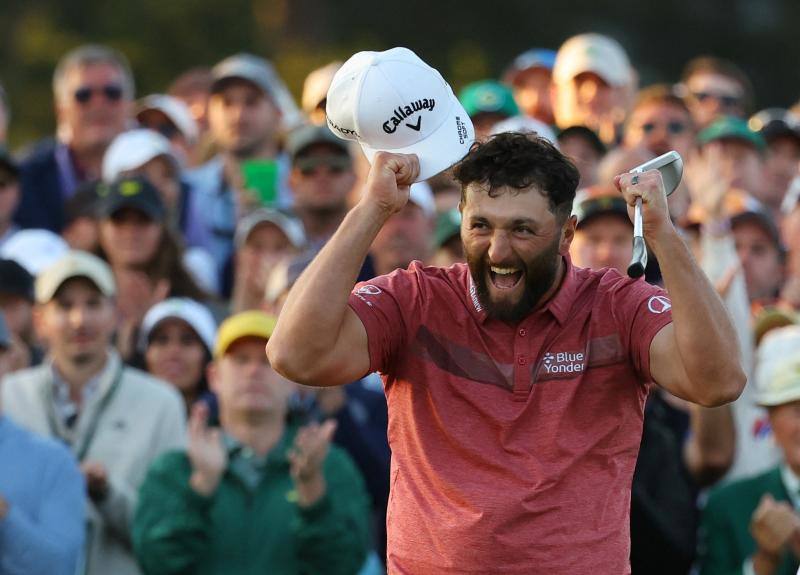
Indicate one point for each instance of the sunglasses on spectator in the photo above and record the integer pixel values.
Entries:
(725, 99)
(334, 165)
(674, 128)
(112, 93)
(6, 182)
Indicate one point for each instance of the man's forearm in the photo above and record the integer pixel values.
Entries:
(314, 311)
(704, 335)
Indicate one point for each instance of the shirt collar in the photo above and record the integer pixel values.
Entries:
(277, 455)
(561, 302)
(559, 305)
(68, 172)
(792, 484)
(99, 383)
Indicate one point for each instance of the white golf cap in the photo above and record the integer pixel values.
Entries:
(393, 101)
(593, 53)
(174, 109)
(526, 124)
(133, 149)
(72, 265)
(34, 249)
(192, 312)
(778, 367)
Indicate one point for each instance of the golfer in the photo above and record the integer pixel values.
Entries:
(516, 383)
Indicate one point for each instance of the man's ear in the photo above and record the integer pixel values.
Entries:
(567, 234)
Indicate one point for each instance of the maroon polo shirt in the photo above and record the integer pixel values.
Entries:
(513, 447)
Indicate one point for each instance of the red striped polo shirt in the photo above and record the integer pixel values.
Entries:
(513, 446)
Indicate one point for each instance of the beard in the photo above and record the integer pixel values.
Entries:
(538, 275)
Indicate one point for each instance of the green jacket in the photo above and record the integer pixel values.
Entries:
(725, 540)
(239, 531)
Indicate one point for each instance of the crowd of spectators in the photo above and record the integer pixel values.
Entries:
(147, 246)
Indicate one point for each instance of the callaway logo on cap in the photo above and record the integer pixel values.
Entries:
(395, 102)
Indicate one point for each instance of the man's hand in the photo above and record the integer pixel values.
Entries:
(773, 525)
(96, 480)
(650, 187)
(389, 181)
(206, 452)
(306, 459)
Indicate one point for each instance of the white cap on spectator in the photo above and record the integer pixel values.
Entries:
(778, 367)
(34, 249)
(133, 149)
(593, 53)
(174, 109)
(526, 124)
(290, 226)
(74, 264)
(393, 101)
(192, 312)
(422, 195)
(315, 87)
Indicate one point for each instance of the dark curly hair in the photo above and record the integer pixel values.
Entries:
(518, 161)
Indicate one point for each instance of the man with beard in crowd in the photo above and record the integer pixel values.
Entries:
(514, 383)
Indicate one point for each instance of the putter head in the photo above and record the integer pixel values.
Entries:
(671, 167)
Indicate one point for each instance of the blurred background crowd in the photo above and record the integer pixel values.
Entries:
(148, 241)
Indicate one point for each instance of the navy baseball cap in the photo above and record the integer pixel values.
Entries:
(130, 192)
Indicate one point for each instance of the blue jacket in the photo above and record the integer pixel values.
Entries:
(43, 532)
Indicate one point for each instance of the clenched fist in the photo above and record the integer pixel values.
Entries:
(389, 181)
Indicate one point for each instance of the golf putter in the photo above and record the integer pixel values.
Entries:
(671, 167)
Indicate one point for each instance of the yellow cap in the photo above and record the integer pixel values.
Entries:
(245, 324)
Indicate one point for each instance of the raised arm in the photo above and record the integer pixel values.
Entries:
(696, 357)
(319, 340)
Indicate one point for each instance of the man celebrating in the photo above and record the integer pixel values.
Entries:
(493, 369)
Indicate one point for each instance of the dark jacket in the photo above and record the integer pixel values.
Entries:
(725, 539)
(41, 196)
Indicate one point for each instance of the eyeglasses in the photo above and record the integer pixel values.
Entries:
(674, 127)
(334, 165)
(726, 100)
(112, 93)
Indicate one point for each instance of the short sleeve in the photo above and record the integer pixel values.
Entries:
(640, 310)
(389, 306)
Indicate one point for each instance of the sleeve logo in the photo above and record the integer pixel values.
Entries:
(658, 304)
(368, 289)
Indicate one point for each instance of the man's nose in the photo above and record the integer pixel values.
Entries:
(500, 247)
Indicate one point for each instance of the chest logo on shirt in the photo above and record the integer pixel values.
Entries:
(658, 304)
(563, 362)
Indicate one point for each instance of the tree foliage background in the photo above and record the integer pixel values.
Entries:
(465, 39)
